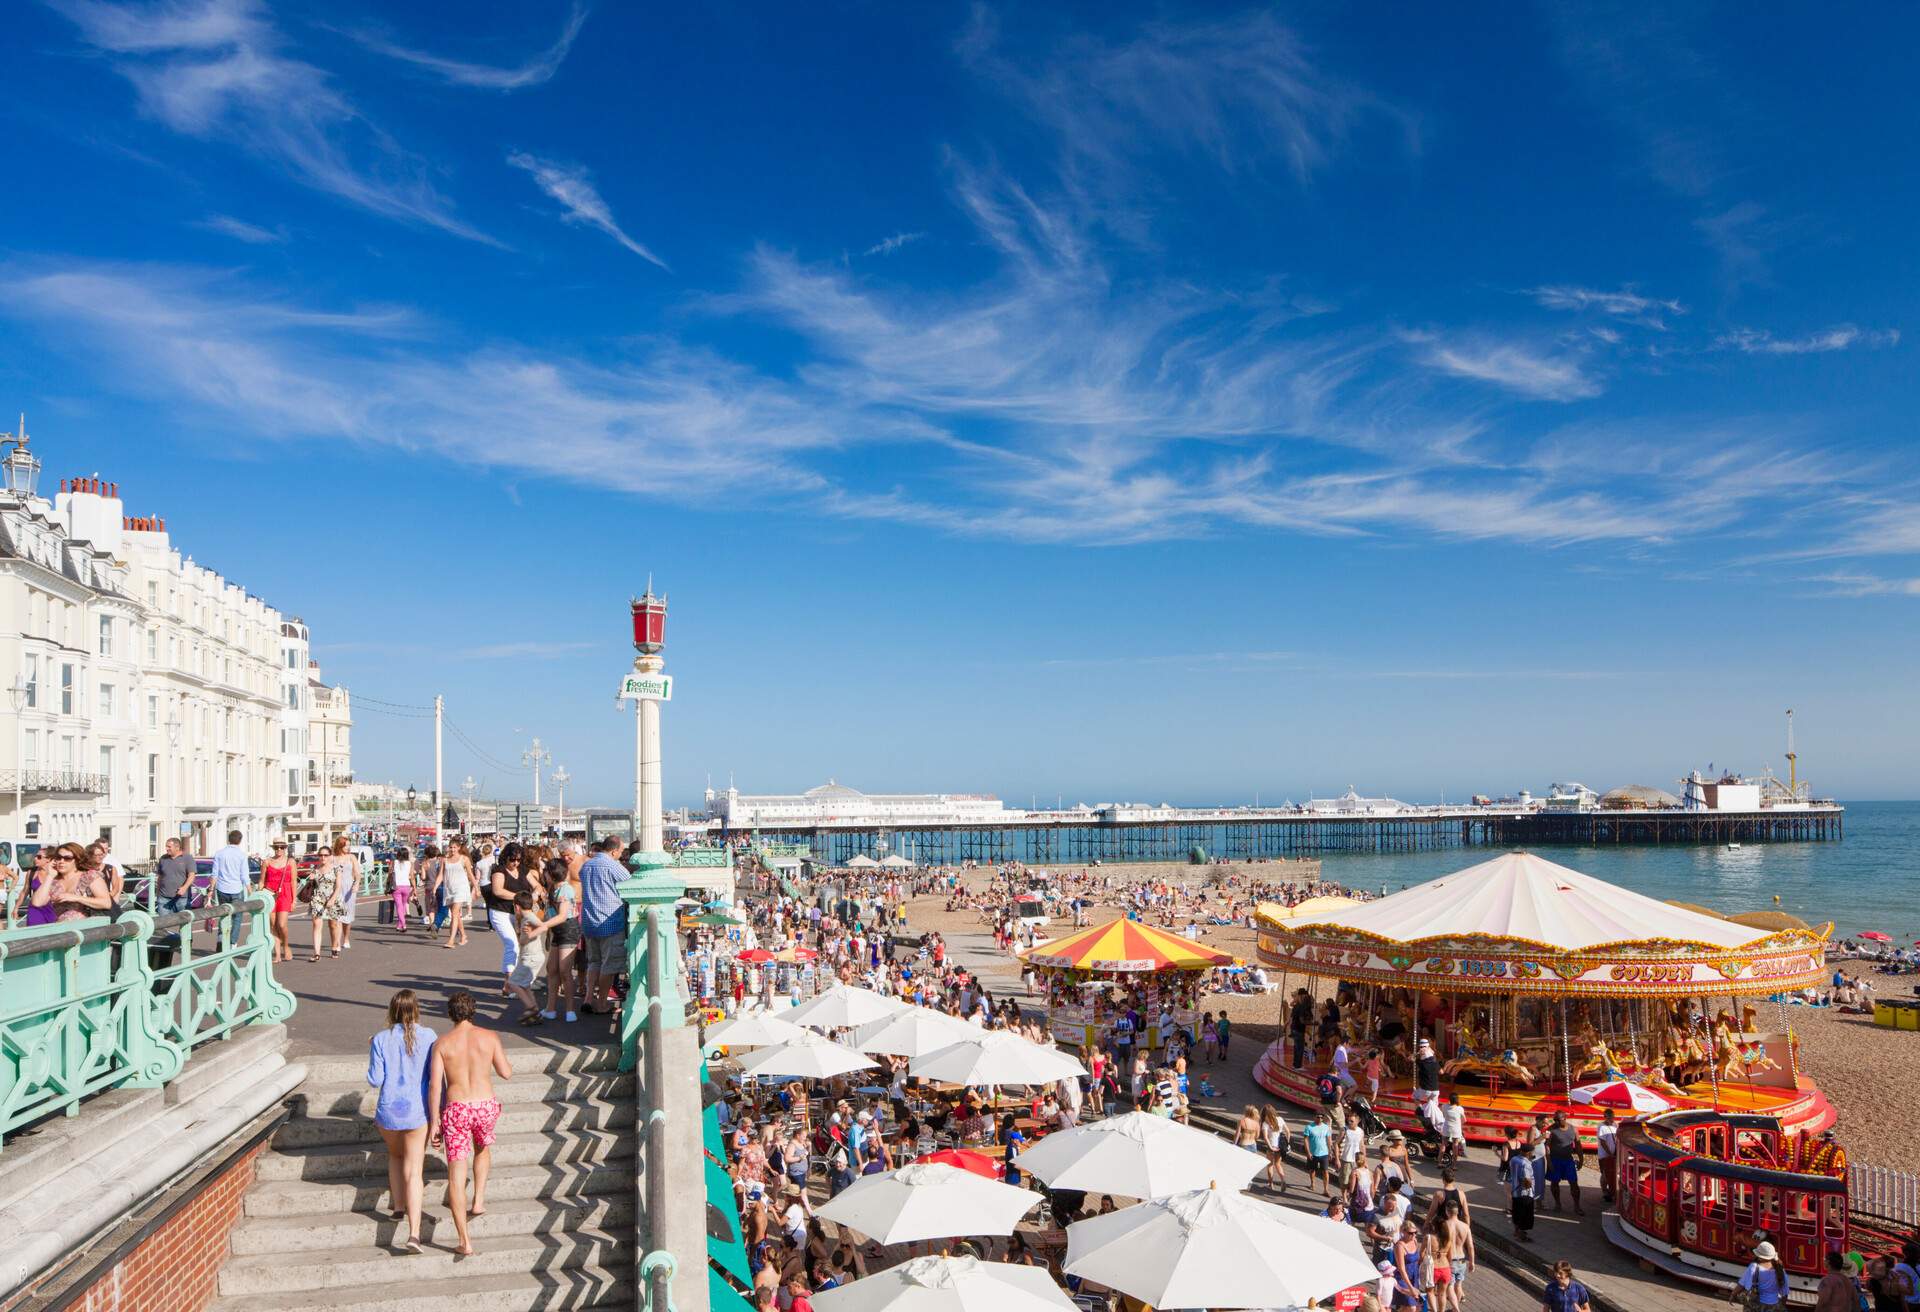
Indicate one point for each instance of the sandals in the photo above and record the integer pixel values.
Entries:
(314, 957)
(531, 1019)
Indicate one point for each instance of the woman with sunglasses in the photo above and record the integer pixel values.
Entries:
(75, 891)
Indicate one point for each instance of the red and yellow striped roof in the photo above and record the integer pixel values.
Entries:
(1126, 945)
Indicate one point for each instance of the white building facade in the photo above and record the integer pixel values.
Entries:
(146, 692)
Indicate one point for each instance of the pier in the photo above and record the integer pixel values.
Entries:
(1166, 834)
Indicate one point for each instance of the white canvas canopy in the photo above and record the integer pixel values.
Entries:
(895, 860)
(862, 862)
(1526, 897)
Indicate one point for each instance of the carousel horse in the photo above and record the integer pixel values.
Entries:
(1746, 1019)
(1754, 1057)
(1600, 1060)
(1506, 1063)
(1726, 1048)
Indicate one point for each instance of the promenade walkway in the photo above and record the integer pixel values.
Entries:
(343, 1000)
(1511, 1271)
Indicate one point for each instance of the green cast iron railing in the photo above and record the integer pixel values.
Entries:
(84, 1007)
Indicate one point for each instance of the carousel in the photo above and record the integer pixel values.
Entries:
(1093, 976)
(1530, 980)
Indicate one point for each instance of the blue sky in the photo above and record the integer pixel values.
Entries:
(1086, 400)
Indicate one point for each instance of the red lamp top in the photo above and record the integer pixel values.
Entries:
(649, 622)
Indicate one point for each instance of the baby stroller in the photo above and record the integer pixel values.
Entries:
(1374, 1128)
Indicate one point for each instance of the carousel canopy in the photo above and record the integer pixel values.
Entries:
(1128, 946)
(1522, 923)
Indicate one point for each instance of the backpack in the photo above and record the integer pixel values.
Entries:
(1329, 1089)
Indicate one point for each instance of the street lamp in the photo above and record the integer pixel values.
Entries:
(468, 786)
(536, 757)
(560, 781)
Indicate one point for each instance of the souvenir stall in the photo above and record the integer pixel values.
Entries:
(1528, 979)
(1092, 976)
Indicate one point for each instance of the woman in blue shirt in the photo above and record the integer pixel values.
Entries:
(397, 1067)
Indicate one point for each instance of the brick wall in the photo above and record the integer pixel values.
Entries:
(173, 1269)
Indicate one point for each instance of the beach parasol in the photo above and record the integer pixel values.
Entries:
(948, 1284)
(995, 1057)
(911, 1032)
(927, 1201)
(991, 1168)
(795, 955)
(1139, 1155)
(755, 1029)
(712, 919)
(1876, 936)
(844, 1006)
(754, 956)
(1217, 1249)
(1126, 946)
(808, 1057)
(1622, 1095)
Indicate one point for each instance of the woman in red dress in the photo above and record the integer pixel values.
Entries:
(276, 876)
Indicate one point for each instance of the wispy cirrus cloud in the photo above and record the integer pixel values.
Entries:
(1623, 304)
(1862, 585)
(487, 77)
(240, 230)
(572, 186)
(1513, 366)
(1840, 337)
(217, 70)
(888, 245)
(1239, 93)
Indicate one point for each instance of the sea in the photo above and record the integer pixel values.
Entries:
(1869, 880)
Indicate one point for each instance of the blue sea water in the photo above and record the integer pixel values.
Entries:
(1868, 880)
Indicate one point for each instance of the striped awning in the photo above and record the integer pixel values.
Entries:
(1126, 946)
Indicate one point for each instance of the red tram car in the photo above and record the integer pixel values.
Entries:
(1704, 1186)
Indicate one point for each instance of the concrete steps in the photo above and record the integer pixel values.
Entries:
(544, 1291)
(558, 1213)
(363, 1161)
(280, 1274)
(558, 1231)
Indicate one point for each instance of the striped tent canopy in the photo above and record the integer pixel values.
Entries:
(1126, 945)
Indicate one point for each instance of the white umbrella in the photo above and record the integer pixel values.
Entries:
(862, 862)
(755, 1029)
(807, 1057)
(911, 1032)
(996, 1057)
(842, 1006)
(948, 1284)
(1139, 1155)
(1621, 1095)
(1213, 1248)
(927, 1200)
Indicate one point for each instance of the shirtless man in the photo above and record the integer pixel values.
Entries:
(461, 1108)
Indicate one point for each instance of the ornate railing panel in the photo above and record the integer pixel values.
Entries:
(83, 1008)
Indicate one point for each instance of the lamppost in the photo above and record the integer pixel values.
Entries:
(652, 958)
(18, 692)
(536, 757)
(393, 795)
(560, 781)
(412, 811)
(468, 786)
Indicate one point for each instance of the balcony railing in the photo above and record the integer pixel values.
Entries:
(34, 780)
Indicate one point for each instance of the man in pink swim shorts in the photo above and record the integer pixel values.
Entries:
(465, 1126)
(461, 1108)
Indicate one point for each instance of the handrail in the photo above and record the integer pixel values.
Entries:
(658, 1266)
(84, 1008)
